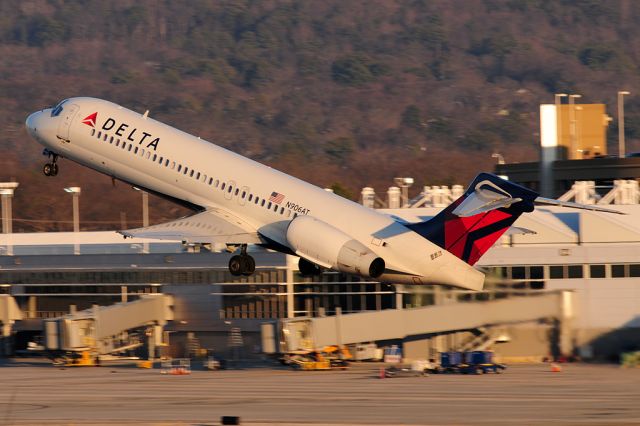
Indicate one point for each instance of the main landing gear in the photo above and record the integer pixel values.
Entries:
(50, 169)
(242, 264)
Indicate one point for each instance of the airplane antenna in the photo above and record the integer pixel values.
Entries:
(146, 114)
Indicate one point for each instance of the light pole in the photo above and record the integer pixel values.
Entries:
(145, 214)
(75, 192)
(621, 147)
(572, 111)
(404, 183)
(558, 102)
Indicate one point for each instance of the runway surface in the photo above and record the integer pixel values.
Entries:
(40, 394)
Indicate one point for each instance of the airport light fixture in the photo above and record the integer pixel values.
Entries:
(621, 142)
(404, 183)
(75, 192)
(145, 214)
(498, 156)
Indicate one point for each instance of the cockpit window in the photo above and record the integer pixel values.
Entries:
(57, 109)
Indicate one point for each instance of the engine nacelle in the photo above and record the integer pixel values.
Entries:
(327, 246)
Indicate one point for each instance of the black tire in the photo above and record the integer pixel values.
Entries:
(249, 266)
(47, 169)
(235, 265)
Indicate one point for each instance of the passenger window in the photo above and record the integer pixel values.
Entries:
(105, 137)
(111, 139)
(93, 132)
(237, 191)
(244, 194)
(179, 167)
(263, 201)
(99, 135)
(250, 197)
(186, 169)
(275, 208)
(142, 152)
(230, 189)
(149, 155)
(269, 206)
(118, 142)
(155, 157)
(210, 181)
(135, 151)
(222, 186)
(130, 146)
(191, 174)
(217, 182)
(173, 165)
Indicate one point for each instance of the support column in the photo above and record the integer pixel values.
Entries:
(291, 266)
(6, 193)
(32, 307)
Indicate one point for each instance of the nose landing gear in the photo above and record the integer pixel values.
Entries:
(50, 169)
(242, 264)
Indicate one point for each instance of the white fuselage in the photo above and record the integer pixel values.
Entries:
(140, 150)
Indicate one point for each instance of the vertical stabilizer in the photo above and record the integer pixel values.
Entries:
(474, 222)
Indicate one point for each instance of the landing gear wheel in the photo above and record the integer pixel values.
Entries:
(235, 265)
(242, 264)
(47, 169)
(249, 266)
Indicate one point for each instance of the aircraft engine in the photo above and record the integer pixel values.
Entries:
(327, 246)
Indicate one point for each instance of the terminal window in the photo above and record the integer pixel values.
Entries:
(598, 271)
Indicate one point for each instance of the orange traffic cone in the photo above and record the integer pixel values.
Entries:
(382, 373)
(555, 368)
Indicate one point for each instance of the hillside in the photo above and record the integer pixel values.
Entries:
(343, 93)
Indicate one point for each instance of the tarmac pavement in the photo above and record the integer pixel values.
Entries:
(36, 393)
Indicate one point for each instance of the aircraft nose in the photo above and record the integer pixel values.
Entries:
(32, 123)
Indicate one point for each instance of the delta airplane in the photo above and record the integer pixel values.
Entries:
(238, 201)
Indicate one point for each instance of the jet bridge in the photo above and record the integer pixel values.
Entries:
(9, 314)
(397, 324)
(103, 330)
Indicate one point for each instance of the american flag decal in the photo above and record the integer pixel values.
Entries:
(276, 197)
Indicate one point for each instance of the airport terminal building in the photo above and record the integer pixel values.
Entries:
(591, 259)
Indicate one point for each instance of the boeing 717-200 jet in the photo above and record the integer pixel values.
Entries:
(237, 201)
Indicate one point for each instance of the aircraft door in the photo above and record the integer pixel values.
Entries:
(68, 113)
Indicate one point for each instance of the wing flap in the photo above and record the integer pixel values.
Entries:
(211, 226)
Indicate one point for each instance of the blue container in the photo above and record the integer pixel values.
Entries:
(450, 359)
(481, 357)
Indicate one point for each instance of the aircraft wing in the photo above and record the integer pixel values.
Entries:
(210, 226)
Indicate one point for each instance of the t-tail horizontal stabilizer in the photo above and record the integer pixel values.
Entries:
(551, 202)
(474, 222)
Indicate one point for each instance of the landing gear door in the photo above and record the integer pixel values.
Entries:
(68, 113)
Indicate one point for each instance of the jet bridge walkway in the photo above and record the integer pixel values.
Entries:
(397, 324)
(9, 314)
(103, 330)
